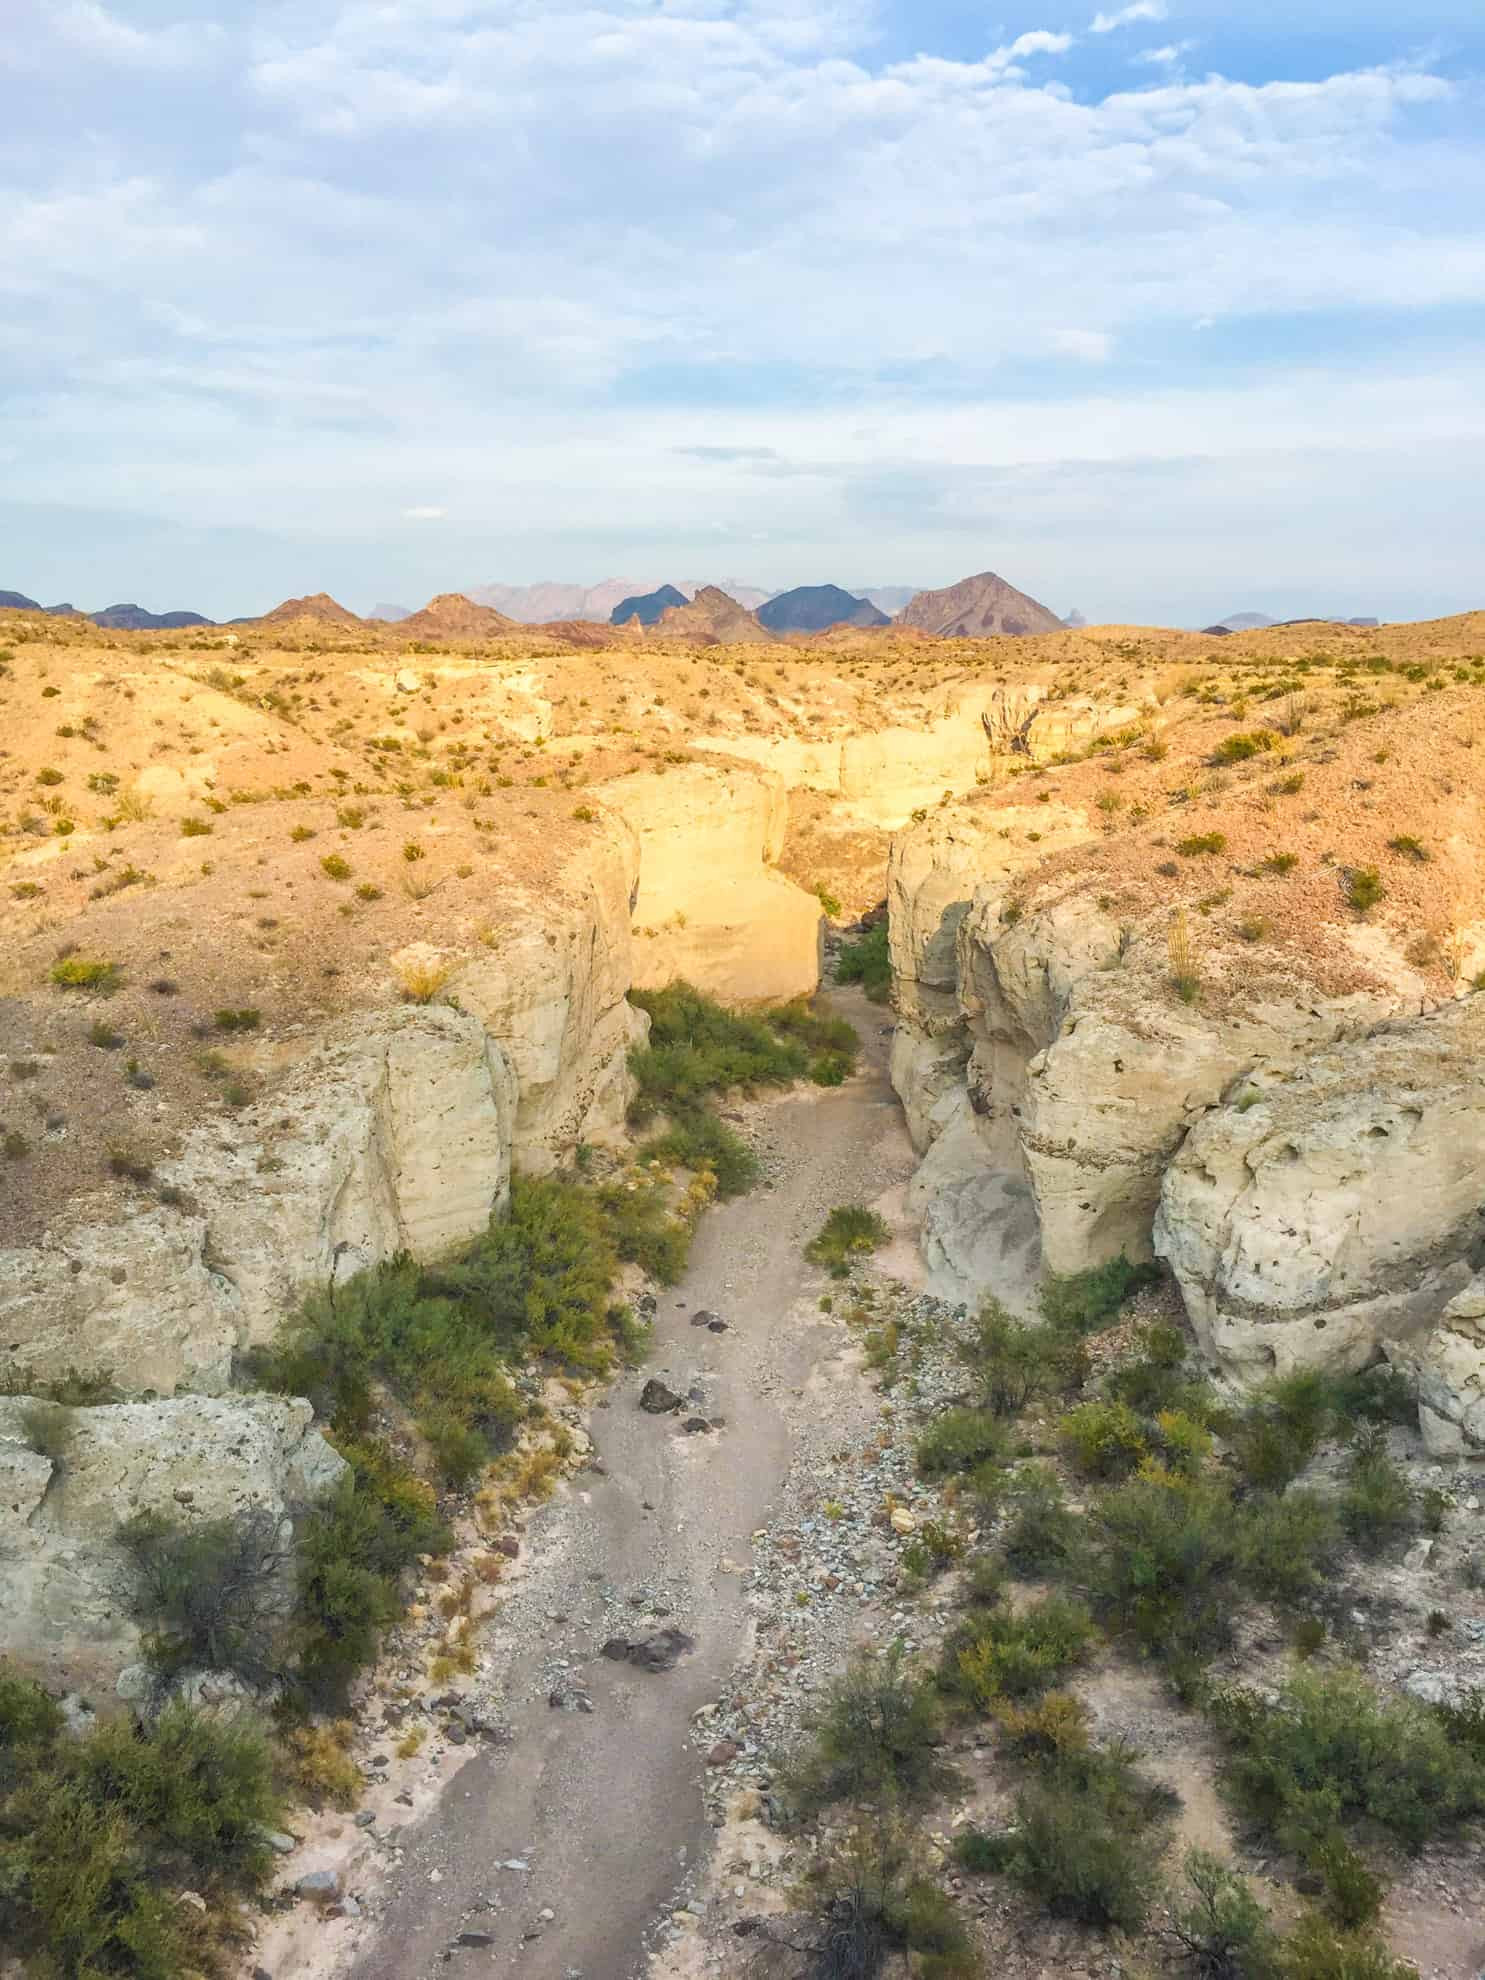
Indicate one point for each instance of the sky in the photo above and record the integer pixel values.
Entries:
(1162, 311)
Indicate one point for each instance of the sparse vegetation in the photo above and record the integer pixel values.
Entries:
(867, 960)
(79, 973)
(849, 1233)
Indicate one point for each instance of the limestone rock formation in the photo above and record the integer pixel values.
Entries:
(66, 1615)
(711, 908)
(394, 1135)
(1447, 1366)
(1336, 1203)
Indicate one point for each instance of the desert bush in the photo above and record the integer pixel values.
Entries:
(1283, 1427)
(334, 867)
(1185, 962)
(1006, 1655)
(1316, 1950)
(213, 1594)
(1085, 1302)
(960, 1441)
(701, 1141)
(1103, 1439)
(1042, 1535)
(237, 1020)
(850, 1232)
(645, 1232)
(1220, 1926)
(871, 1899)
(868, 961)
(1045, 1729)
(1333, 1752)
(1242, 748)
(1085, 1840)
(82, 973)
(1013, 1363)
(876, 1738)
(1167, 1547)
(1200, 843)
(98, 1834)
(1287, 1544)
(420, 981)
(1410, 848)
(1377, 1505)
(1363, 889)
(319, 1766)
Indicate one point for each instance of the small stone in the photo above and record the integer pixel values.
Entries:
(508, 1545)
(545, 1915)
(656, 1400)
(455, 1733)
(902, 1520)
(616, 1649)
(475, 1939)
(515, 1863)
(319, 1886)
(695, 1425)
(365, 1819)
(350, 1908)
(279, 1841)
(723, 1753)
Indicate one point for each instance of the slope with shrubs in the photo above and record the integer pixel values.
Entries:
(1194, 1514)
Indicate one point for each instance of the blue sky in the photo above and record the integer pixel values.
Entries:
(1162, 310)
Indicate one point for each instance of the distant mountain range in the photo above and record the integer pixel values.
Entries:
(540, 604)
(118, 618)
(1236, 622)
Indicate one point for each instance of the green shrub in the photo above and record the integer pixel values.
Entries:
(1377, 1504)
(877, 1737)
(1043, 1535)
(334, 867)
(850, 1232)
(981, 1853)
(959, 1441)
(1220, 1926)
(213, 1594)
(1288, 1544)
(1363, 889)
(1007, 1655)
(1201, 842)
(868, 961)
(701, 1141)
(1315, 1950)
(1285, 1425)
(48, 1428)
(645, 1232)
(1167, 1548)
(1334, 1752)
(1103, 1439)
(1410, 848)
(1014, 1363)
(240, 1020)
(77, 973)
(1241, 748)
(98, 1834)
(1085, 1302)
(1085, 1841)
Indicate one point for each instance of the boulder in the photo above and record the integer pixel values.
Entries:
(67, 1616)
(1447, 1365)
(1335, 1203)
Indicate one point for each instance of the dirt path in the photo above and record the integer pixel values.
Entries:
(602, 1809)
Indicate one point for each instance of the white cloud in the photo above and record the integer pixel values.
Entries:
(591, 240)
(1139, 10)
(1169, 57)
(1089, 346)
(90, 30)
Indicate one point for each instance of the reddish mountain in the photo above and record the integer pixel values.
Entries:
(319, 606)
(978, 608)
(452, 616)
(711, 619)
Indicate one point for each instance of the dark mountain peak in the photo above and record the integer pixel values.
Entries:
(647, 607)
(814, 607)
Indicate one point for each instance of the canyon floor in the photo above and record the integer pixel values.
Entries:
(603, 1808)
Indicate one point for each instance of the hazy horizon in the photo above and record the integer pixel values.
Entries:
(1161, 311)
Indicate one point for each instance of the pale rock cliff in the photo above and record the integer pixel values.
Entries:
(66, 1618)
(711, 908)
(393, 1135)
(1447, 1366)
(1338, 1202)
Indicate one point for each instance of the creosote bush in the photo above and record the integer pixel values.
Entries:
(876, 1738)
(213, 1595)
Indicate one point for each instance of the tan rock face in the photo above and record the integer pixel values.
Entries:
(711, 907)
(1335, 1203)
(1447, 1365)
(395, 1135)
(551, 993)
(66, 1617)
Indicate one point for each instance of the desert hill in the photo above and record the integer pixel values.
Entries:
(648, 606)
(452, 616)
(978, 608)
(319, 606)
(711, 618)
(813, 608)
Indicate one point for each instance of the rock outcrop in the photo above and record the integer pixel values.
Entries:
(1447, 1367)
(394, 1135)
(711, 907)
(1336, 1202)
(67, 1615)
